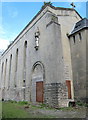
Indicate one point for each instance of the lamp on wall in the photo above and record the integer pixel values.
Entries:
(37, 35)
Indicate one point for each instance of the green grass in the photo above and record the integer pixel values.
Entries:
(66, 109)
(42, 106)
(79, 103)
(13, 110)
(0, 109)
(23, 109)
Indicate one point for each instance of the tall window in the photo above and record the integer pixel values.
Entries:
(24, 63)
(16, 60)
(5, 72)
(25, 51)
(10, 67)
(2, 67)
(74, 39)
(80, 37)
(2, 71)
(16, 67)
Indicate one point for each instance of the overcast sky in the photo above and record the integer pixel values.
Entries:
(16, 15)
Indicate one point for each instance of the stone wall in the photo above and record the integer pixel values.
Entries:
(56, 94)
(53, 52)
(78, 55)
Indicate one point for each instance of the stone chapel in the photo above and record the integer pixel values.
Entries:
(46, 62)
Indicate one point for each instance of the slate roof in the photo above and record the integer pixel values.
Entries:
(80, 25)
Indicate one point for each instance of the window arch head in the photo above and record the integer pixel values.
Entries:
(38, 68)
(74, 39)
(10, 56)
(25, 44)
(6, 60)
(17, 50)
(80, 36)
(2, 66)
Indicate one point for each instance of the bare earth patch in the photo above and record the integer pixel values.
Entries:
(79, 112)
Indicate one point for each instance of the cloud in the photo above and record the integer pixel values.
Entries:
(3, 44)
(6, 37)
(14, 14)
(2, 31)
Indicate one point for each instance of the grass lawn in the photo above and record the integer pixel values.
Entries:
(20, 110)
(0, 110)
(13, 110)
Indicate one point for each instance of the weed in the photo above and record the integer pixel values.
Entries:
(11, 101)
(12, 110)
(43, 105)
(79, 103)
(23, 102)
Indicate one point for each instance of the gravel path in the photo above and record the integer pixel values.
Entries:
(77, 112)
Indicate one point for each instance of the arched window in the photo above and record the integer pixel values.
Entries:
(2, 67)
(16, 60)
(16, 67)
(10, 67)
(2, 70)
(25, 52)
(74, 39)
(80, 37)
(24, 63)
(5, 72)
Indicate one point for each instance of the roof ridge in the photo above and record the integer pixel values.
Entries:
(57, 8)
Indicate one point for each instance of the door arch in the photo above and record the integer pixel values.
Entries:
(37, 82)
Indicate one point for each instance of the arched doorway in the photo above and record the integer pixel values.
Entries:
(37, 87)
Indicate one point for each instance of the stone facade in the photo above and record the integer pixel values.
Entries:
(78, 43)
(41, 53)
(58, 94)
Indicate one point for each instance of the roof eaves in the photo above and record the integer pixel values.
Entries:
(77, 31)
(78, 14)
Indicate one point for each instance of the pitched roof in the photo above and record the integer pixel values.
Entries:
(80, 25)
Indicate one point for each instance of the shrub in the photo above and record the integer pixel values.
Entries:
(23, 102)
(79, 103)
(11, 101)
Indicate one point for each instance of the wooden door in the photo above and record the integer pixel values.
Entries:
(68, 83)
(39, 91)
